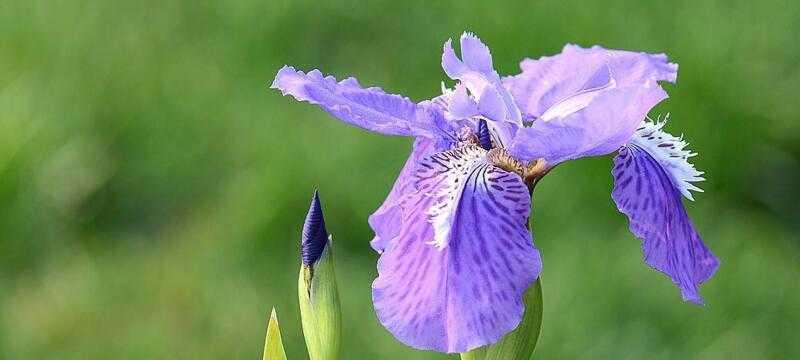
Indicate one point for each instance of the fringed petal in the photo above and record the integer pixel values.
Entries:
(648, 183)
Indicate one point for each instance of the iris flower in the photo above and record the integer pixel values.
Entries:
(456, 253)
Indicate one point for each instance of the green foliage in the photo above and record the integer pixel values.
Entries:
(152, 188)
(273, 344)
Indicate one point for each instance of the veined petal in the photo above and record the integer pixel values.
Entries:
(476, 72)
(602, 127)
(387, 220)
(368, 108)
(455, 167)
(555, 86)
(468, 293)
(646, 191)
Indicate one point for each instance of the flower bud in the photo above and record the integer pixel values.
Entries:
(319, 298)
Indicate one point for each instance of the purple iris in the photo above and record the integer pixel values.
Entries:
(456, 252)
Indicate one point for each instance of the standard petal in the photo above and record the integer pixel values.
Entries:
(645, 191)
(551, 86)
(467, 293)
(491, 105)
(461, 105)
(602, 127)
(475, 71)
(367, 108)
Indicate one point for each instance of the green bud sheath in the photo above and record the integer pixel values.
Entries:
(273, 345)
(319, 307)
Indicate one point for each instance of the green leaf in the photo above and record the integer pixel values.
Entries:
(319, 307)
(273, 345)
(520, 343)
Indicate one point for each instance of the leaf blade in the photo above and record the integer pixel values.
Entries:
(273, 344)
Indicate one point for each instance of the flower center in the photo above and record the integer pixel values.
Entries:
(530, 172)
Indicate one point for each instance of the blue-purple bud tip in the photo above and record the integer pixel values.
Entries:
(315, 236)
(484, 138)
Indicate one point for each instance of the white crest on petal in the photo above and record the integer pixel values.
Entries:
(453, 168)
(671, 153)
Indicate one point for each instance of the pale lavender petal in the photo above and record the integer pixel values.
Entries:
(555, 81)
(467, 293)
(386, 220)
(602, 127)
(475, 71)
(367, 108)
(491, 105)
(645, 192)
(452, 65)
(461, 105)
(476, 54)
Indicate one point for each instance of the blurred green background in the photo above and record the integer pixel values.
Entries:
(152, 188)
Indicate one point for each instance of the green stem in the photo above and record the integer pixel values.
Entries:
(476, 354)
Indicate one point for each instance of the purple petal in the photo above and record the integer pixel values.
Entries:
(671, 153)
(387, 221)
(475, 71)
(548, 82)
(369, 108)
(491, 105)
(467, 292)
(452, 65)
(602, 127)
(645, 192)
(476, 54)
(461, 105)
